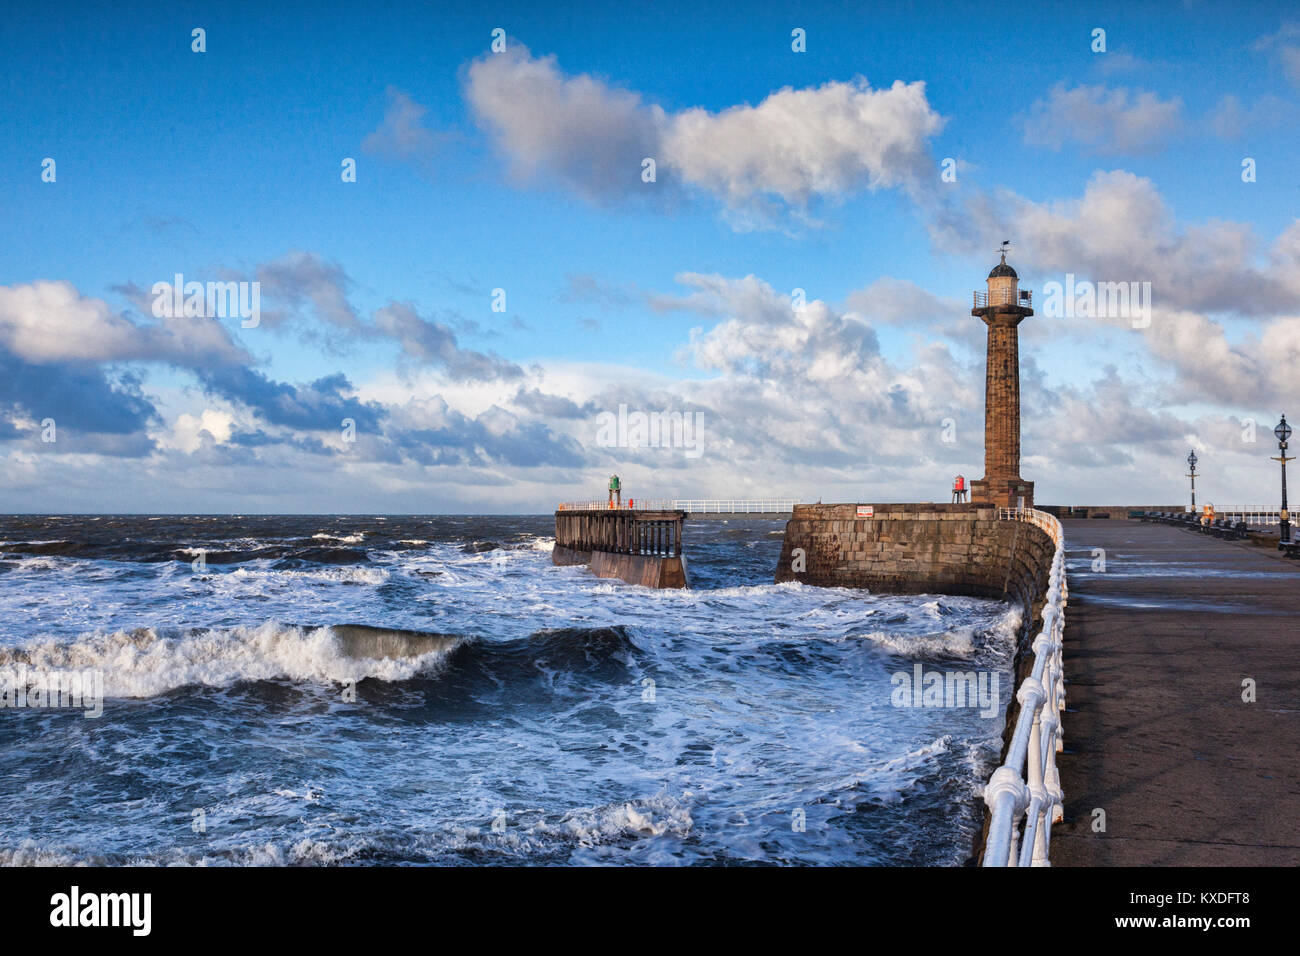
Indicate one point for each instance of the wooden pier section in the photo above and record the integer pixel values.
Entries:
(640, 547)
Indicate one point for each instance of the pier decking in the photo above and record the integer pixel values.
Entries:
(1156, 732)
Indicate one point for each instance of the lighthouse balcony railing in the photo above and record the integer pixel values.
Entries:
(1004, 297)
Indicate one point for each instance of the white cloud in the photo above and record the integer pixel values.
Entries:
(797, 144)
(794, 146)
(297, 278)
(1103, 120)
(51, 321)
(1121, 229)
(433, 343)
(402, 134)
(589, 135)
(187, 431)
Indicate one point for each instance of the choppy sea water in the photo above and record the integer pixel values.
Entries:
(431, 690)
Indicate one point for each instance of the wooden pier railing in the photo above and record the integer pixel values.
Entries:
(655, 533)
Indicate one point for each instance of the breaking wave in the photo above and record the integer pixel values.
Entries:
(148, 662)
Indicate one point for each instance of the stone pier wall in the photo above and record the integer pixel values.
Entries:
(918, 548)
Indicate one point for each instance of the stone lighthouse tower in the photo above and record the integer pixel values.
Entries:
(1002, 308)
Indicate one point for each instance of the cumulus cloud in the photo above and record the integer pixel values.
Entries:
(47, 322)
(793, 147)
(587, 134)
(900, 302)
(68, 357)
(783, 365)
(1121, 229)
(797, 144)
(71, 358)
(551, 406)
(1103, 120)
(63, 357)
(93, 410)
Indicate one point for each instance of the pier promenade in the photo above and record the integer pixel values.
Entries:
(1157, 735)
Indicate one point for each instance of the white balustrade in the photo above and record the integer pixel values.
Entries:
(1024, 794)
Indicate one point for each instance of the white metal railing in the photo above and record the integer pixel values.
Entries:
(1251, 515)
(734, 506)
(1040, 519)
(629, 504)
(1036, 797)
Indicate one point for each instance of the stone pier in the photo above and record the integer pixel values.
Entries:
(917, 548)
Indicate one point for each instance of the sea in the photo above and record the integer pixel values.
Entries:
(431, 690)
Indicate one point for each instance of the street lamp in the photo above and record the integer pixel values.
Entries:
(1191, 462)
(1283, 432)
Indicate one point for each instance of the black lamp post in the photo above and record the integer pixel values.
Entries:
(1191, 461)
(1283, 432)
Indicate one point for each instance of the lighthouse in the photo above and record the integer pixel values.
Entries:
(1002, 307)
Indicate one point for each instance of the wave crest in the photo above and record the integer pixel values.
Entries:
(146, 662)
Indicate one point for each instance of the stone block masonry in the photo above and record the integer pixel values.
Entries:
(918, 548)
(1002, 308)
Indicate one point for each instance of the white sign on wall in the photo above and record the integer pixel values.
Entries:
(866, 511)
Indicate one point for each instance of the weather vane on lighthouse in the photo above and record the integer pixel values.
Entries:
(1006, 247)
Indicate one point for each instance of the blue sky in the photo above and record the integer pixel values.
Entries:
(520, 170)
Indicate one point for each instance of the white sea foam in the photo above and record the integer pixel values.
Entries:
(347, 574)
(959, 642)
(145, 663)
(41, 564)
(653, 816)
(30, 853)
(614, 823)
(890, 778)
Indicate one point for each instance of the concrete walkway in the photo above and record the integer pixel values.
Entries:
(1156, 732)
